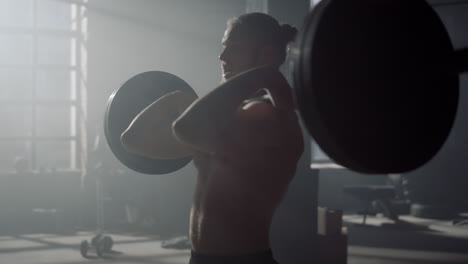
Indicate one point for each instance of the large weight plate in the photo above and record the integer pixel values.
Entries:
(373, 83)
(123, 106)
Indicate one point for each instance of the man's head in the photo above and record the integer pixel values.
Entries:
(254, 39)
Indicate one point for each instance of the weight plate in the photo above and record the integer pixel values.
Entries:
(373, 83)
(126, 103)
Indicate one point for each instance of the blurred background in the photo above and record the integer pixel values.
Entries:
(60, 60)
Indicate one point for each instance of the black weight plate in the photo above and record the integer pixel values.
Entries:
(124, 105)
(373, 83)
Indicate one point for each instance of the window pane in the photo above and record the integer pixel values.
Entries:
(53, 14)
(54, 50)
(54, 84)
(53, 154)
(16, 120)
(11, 150)
(16, 49)
(16, 13)
(53, 121)
(16, 84)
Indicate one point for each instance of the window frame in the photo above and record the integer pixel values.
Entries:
(75, 102)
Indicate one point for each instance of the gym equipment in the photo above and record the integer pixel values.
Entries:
(376, 83)
(100, 245)
(379, 196)
(128, 101)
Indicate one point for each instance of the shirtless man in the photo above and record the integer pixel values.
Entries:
(245, 139)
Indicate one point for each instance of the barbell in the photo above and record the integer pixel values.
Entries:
(376, 83)
(126, 103)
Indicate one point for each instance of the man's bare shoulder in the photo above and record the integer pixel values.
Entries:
(266, 124)
(264, 112)
(257, 110)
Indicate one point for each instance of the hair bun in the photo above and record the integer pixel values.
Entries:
(288, 32)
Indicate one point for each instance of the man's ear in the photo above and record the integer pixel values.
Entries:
(268, 55)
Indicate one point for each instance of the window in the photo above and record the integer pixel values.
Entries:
(42, 49)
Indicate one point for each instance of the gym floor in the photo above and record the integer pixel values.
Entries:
(136, 249)
(51, 249)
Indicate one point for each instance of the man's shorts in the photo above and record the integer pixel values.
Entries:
(265, 257)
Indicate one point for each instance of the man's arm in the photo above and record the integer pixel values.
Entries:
(150, 133)
(209, 123)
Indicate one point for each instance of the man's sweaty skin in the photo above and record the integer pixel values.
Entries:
(244, 164)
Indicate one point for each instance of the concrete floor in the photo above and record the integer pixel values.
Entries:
(51, 249)
(138, 249)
